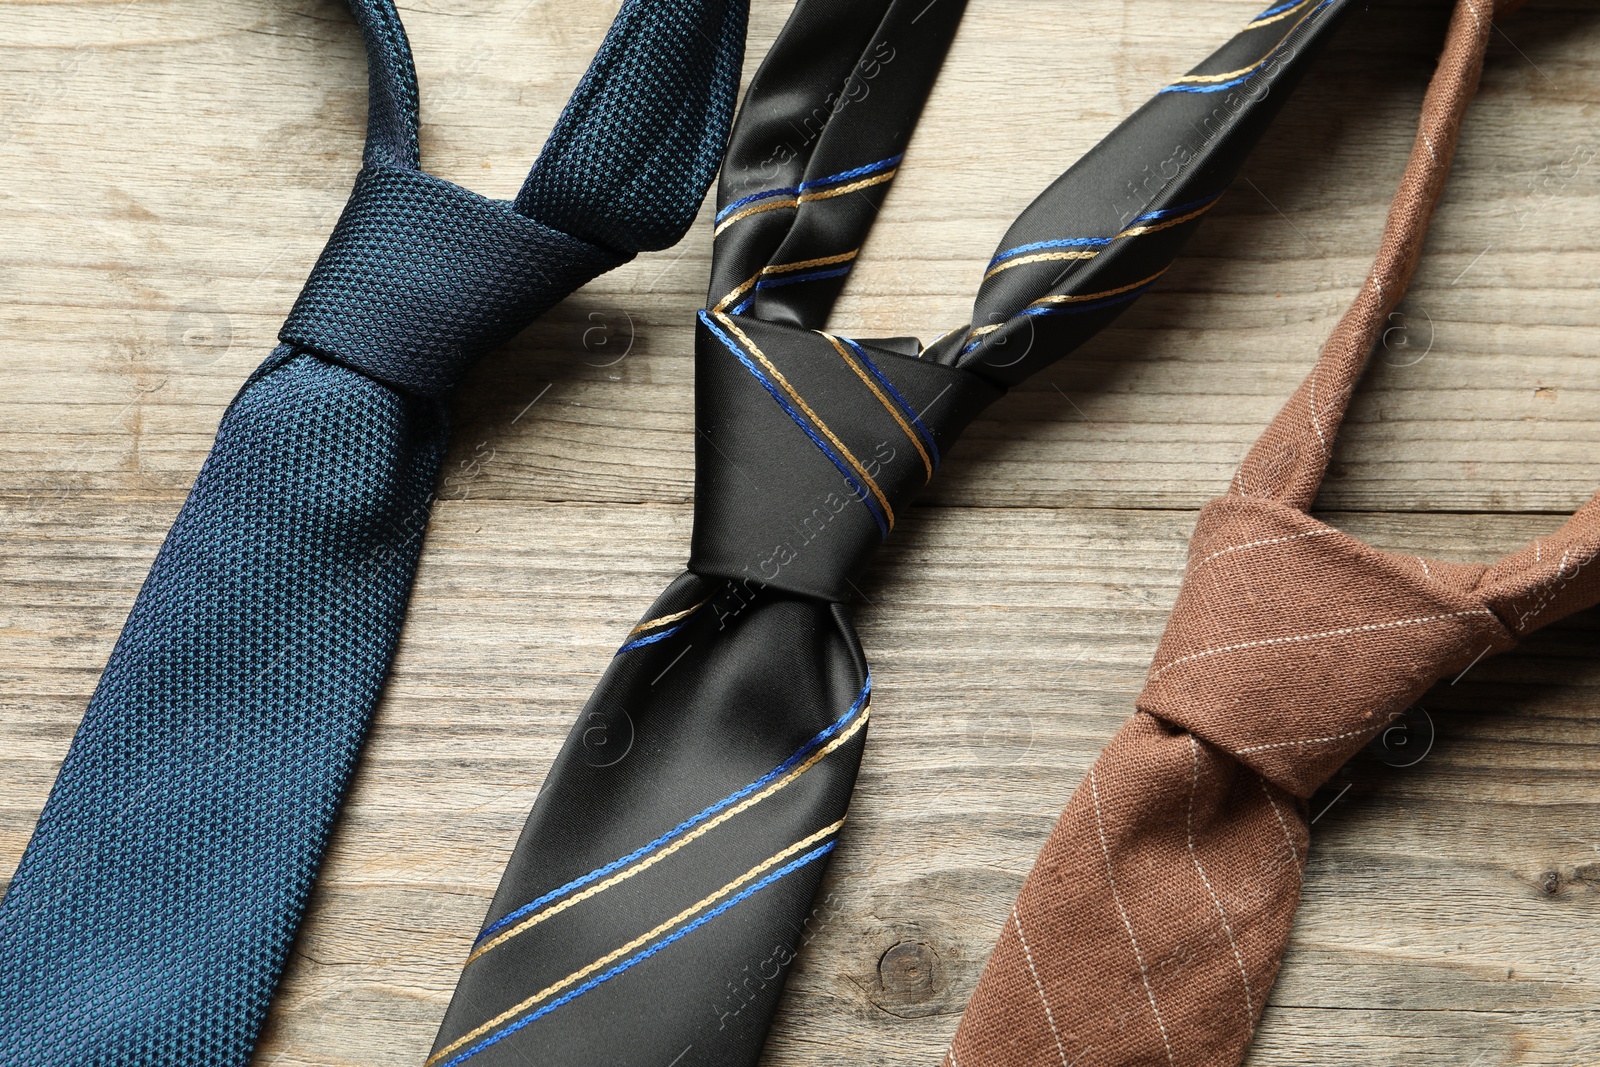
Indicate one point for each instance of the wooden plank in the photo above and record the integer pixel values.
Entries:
(1008, 645)
(170, 171)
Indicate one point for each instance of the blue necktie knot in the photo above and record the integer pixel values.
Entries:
(421, 277)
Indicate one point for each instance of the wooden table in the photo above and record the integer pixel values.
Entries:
(170, 170)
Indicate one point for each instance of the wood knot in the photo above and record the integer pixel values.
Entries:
(908, 971)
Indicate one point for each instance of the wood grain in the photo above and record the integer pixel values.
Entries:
(170, 170)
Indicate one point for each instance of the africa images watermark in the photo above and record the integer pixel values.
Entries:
(749, 984)
(739, 593)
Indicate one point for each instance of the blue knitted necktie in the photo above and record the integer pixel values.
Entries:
(152, 913)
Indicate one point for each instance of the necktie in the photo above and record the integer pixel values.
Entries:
(665, 878)
(153, 909)
(1152, 925)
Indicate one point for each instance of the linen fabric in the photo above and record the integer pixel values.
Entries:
(150, 917)
(1153, 923)
(665, 879)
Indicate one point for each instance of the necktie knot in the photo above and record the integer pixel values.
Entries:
(810, 446)
(421, 277)
(1292, 643)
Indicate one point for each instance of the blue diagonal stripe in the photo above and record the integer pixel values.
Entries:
(652, 639)
(681, 932)
(1277, 10)
(814, 183)
(1064, 242)
(905, 405)
(1256, 69)
(788, 190)
(1219, 86)
(690, 823)
(847, 175)
(799, 420)
(1178, 209)
(809, 276)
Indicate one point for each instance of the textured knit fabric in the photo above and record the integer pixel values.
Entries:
(673, 69)
(422, 277)
(154, 908)
(150, 916)
(1152, 926)
(392, 108)
(666, 877)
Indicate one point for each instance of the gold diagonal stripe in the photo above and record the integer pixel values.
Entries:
(825, 194)
(651, 624)
(1212, 79)
(889, 406)
(816, 419)
(700, 831)
(803, 198)
(1038, 257)
(1078, 299)
(1167, 224)
(754, 209)
(1279, 17)
(611, 957)
(1132, 231)
(1082, 297)
(744, 287)
(736, 292)
(820, 261)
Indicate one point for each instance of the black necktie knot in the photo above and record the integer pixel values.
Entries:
(421, 277)
(809, 446)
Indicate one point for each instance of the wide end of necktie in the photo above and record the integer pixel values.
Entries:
(671, 863)
(664, 881)
(150, 916)
(1150, 929)
(1160, 907)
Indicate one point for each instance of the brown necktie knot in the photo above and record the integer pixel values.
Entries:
(1151, 929)
(1292, 643)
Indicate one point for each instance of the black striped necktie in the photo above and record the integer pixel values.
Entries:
(664, 880)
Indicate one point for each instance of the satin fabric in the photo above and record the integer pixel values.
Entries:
(660, 890)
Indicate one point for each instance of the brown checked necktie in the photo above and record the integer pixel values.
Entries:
(1152, 925)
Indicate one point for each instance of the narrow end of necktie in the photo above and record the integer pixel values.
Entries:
(629, 161)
